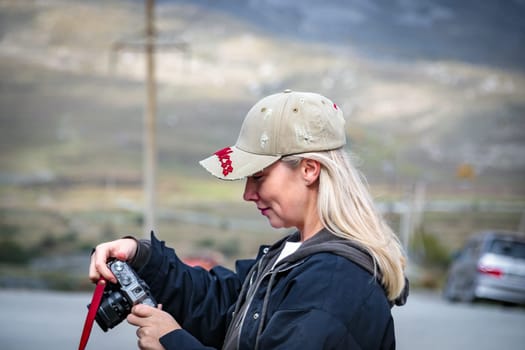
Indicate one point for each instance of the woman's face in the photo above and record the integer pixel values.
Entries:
(280, 193)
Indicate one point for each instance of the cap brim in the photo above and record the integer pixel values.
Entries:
(233, 163)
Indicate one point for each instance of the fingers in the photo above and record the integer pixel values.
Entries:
(147, 339)
(139, 314)
(122, 249)
(149, 343)
(98, 267)
(152, 323)
(143, 332)
(143, 310)
(135, 320)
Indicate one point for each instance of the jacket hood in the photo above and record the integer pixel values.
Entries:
(326, 242)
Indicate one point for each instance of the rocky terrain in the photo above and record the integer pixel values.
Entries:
(426, 85)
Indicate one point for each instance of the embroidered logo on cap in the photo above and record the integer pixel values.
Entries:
(224, 159)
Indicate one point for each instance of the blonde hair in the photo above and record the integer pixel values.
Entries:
(346, 209)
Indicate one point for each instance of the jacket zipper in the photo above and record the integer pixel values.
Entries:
(249, 301)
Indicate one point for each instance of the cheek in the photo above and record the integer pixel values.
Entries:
(283, 190)
(285, 196)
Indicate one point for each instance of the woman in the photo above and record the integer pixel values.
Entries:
(329, 285)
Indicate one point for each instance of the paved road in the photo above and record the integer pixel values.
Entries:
(41, 320)
(428, 322)
(48, 320)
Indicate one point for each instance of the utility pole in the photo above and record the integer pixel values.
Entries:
(150, 116)
(148, 44)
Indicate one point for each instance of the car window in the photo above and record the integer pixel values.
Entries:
(508, 248)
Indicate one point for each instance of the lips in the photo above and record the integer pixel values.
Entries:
(263, 210)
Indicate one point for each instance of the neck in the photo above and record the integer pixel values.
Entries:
(311, 221)
(308, 233)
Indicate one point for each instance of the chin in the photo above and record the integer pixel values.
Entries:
(279, 224)
(276, 225)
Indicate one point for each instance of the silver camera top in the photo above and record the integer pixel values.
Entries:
(131, 285)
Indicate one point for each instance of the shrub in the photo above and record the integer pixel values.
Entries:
(428, 250)
(12, 252)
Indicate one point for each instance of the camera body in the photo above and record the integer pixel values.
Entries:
(119, 298)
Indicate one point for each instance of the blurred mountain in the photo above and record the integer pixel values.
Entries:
(487, 33)
(426, 85)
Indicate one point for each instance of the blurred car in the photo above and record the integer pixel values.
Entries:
(491, 265)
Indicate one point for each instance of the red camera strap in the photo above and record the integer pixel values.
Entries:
(93, 308)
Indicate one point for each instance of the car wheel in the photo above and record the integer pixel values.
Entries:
(448, 292)
(469, 296)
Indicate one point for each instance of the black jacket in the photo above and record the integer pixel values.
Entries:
(316, 298)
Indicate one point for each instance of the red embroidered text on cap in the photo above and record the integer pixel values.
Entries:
(224, 159)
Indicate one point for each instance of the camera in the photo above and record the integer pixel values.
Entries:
(120, 297)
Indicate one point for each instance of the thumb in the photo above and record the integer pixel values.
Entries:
(142, 310)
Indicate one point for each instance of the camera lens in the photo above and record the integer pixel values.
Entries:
(113, 309)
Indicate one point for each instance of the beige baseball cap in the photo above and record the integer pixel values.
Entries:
(285, 123)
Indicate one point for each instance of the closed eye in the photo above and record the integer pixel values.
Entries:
(257, 176)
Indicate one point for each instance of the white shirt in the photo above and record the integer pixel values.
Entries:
(289, 249)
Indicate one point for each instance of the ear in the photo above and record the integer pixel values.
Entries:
(310, 170)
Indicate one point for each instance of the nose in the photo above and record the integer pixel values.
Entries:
(250, 190)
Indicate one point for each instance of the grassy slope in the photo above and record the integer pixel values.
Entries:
(71, 135)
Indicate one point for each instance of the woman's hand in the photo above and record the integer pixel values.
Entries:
(153, 323)
(121, 249)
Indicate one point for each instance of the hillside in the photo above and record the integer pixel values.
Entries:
(428, 87)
